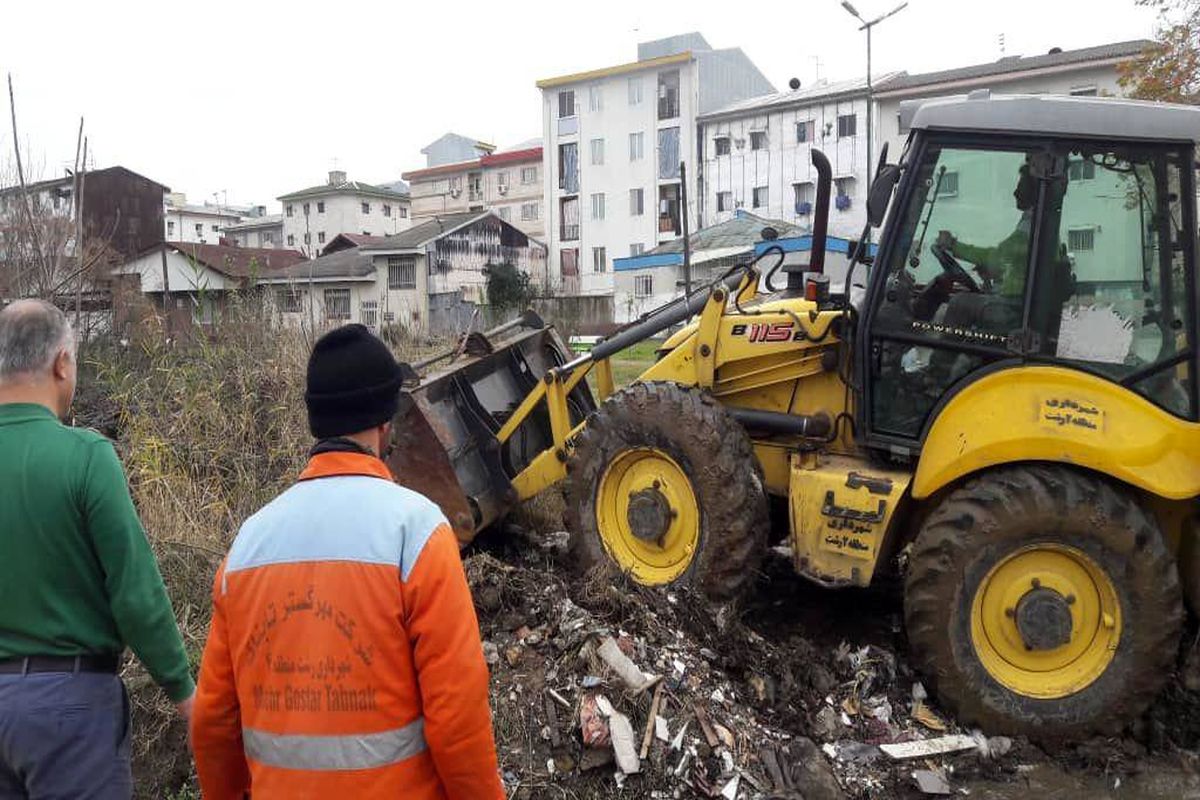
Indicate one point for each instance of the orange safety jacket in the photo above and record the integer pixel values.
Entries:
(344, 658)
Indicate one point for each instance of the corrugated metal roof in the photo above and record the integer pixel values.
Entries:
(1015, 64)
(352, 264)
(238, 262)
(428, 230)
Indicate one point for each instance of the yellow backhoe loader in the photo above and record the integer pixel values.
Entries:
(1006, 410)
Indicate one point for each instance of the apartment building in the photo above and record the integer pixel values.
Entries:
(614, 139)
(262, 231)
(313, 216)
(757, 156)
(197, 224)
(507, 182)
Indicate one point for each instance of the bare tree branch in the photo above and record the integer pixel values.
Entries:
(12, 108)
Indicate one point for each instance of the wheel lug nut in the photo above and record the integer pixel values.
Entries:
(656, 484)
(1070, 599)
(1035, 583)
(1010, 612)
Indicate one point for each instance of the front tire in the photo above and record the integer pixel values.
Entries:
(1041, 601)
(664, 483)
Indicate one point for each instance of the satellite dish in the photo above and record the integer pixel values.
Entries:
(794, 84)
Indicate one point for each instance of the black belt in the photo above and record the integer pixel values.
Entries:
(22, 666)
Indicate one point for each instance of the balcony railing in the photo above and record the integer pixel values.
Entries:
(570, 233)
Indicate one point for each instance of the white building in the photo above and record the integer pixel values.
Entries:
(614, 139)
(757, 156)
(1084, 72)
(265, 231)
(508, 182)
(199, 224)
(313, 216)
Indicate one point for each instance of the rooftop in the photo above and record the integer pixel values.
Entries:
(351, 264)
(805, 95)
(250, 223)
(68, 179)
(237, 262)
(428, 230)
(723, 240)
(344, 187)
(620, 69)
(1113, 52)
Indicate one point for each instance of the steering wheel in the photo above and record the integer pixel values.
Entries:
(954, 269)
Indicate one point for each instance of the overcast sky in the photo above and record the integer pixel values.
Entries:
(258, 98)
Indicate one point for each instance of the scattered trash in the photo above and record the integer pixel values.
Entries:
(592, 725)
(621, 735)
(621, 664)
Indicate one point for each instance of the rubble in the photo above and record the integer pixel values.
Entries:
(622, 691)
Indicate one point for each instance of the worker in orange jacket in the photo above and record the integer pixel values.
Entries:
(344, 658)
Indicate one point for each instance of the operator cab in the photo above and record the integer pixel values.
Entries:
(1033, 230)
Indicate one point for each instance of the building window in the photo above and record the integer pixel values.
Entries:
(668, 94)
(402, 272)
(722, 145)
(1081, 169)
(504, 212)
(200, 229)
(566, 104)
(569, 218)
(502, 182)
(216, 228)
(568, 259)
(366, 233)
(289, 209)
(598, 205)
(475, 187)
(337, 304)
(637, 146)
(668, 153)
(320, 206)
(1081, 239)
(668, 209)
(1083, 91)
(308, 238)
(724, 201)
(529, 211)
(402, 212)
(760, 197)
(597, 148)
(637, 205)
(320, 237)
(599, 260)
(291, 240)
(266, 237)
(306, 209)
(635, 91)
(803, 193)
(948, 184)
(287, 301)
(170, 227)
(595, 98)
(366, 208)
(568, 167)
(387, 210)
(636, 249)
(758, 140)
(643, 285)
(847, 125)
(528, 175)
(804, 131)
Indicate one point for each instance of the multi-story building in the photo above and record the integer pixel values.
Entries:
(757, 156)
(614, 141)
(260, 231)
(313, 216)
(508, 182)
(450, 148)
(1085, 72)
(200, 224)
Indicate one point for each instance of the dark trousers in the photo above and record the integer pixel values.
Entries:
(64, 736)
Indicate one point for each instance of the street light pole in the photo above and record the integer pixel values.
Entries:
(866, 26)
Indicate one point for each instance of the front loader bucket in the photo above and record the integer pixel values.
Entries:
(445, 431)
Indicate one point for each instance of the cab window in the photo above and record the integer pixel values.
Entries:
(1112, 295)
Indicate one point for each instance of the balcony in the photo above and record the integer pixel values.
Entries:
(568, 126)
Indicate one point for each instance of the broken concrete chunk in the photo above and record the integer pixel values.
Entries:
(931, 782)
(661, 731)
(731, 789)
(624, 746)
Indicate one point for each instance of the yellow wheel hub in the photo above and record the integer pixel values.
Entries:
(1046, 621)
(648, 516)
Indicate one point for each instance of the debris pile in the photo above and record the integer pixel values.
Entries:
(603, 688)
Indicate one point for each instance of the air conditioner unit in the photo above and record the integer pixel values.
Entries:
(455, 192)
(502, 189)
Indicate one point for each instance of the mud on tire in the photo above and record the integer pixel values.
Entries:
(978, 525)
(711, 448)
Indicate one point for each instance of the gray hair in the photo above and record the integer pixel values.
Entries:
(32, 332)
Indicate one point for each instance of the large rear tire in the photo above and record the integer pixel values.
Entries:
(663, 483)
(1042, 601)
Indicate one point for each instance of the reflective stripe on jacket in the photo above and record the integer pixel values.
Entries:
(344, 657)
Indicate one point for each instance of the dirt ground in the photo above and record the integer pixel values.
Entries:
(798, 685)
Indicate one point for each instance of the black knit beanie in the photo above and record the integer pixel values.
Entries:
(353, 383)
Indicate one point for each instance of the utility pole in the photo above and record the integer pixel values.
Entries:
(866, 26)
(687, 245)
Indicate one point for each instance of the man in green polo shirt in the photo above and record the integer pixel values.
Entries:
(78, 581)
